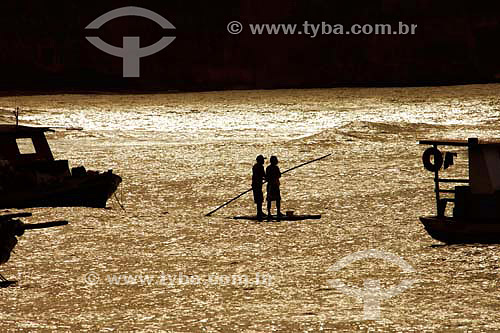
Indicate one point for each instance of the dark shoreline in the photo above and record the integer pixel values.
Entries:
(120, 91)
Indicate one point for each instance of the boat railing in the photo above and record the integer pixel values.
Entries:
(441, 203)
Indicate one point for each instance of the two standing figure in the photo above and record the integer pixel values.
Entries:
(272, 175)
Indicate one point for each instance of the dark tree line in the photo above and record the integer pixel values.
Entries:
(44, 46)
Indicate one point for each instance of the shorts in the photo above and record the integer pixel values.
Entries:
(258, 196)
(273, 193)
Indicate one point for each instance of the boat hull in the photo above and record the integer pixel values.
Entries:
(283, 218)
(89, 191)
(452, 231)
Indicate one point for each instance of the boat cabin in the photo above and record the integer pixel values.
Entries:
(20, 144)
(476, 198)
(26, 159)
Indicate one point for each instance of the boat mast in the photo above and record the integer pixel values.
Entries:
(440, 212)
(16, 114)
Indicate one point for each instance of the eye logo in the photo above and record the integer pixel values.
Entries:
(372, 294)
(131, 52)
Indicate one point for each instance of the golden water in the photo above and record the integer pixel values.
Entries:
(181, 155)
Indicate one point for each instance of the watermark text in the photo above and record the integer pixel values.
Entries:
(314, 30)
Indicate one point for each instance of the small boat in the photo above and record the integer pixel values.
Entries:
(279, 218)
(476, 212)
(31, 177)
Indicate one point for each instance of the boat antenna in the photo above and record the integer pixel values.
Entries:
(286, 171)
(16, 114)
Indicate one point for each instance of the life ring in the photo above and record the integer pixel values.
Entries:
(438, 159)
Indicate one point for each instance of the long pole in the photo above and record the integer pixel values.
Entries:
(44, 225)
(286, 171)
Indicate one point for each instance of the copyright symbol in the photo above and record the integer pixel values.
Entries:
(92, 278)
(234, 27)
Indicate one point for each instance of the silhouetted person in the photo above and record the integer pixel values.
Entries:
(273, 175)
(258, 177)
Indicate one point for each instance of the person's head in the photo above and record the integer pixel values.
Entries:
(274, 160)
(260, 159)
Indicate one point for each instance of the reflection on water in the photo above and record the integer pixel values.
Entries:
(181, 155)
